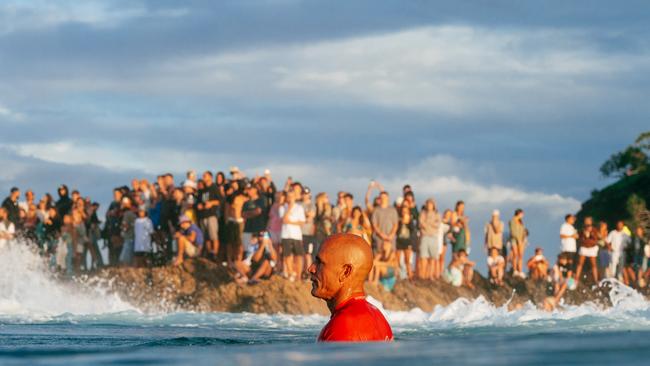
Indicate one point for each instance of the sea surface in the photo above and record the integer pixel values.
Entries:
(46, 322)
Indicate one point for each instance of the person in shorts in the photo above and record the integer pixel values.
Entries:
(208, 210)
(430, 224)
(189, 239)
(293, 217)
(496, 266)
(588, 241)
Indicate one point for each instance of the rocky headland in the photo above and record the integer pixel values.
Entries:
(201, 285)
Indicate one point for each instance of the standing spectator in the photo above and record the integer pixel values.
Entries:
(568, 235)
(447, 238)
(293, 216)
(274, 225)
(234, 224)
(494, 233)
(94, 233)
(7, 229)
(384, 222)
(208, 208)
(406, 239)
(496, 266)
(323, 219)
(644, 245)
(128, 232)
(604, 251)
(618, 239)
(308, 228)
(189, 238)
(113, 227)
(79, 240)
(64, 204)
(633, 253)
(254, 213)
(431, 239)
(10, 204)
(143, 229)
(518, 242)
(358, 224)
(588, 239)
(28, 202)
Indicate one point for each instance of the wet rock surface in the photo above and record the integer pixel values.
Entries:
(201, 285)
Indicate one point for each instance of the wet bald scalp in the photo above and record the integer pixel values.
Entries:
(348, 249)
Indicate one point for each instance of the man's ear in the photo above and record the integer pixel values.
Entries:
(345, 273)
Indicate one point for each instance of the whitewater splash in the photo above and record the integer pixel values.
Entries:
(29, 289)
(30, 293)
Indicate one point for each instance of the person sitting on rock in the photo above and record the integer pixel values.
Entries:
(189, 239)
(496, 264)
(338, 274)
(538, 265)
(562, 275)
(460, 271)
(385, 266)
(259, 260)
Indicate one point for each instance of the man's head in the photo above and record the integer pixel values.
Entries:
(384, 199)
(14, 193)
(620, 225)
(348, 198)
(519, 213)
(207, 178)
(340, 268)
(29, 195)
(117, 195)
(63, 190)
(589, 222)
(252, 192)
(570, 219)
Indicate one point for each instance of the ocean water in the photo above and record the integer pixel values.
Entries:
(46, 322)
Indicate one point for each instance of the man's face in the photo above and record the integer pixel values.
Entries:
(619, 225)
(117, 196)
(349, 202)
(29, 196)
(572, 220)
(588, 222)
(384, 199)
(15, 195)
(324, 275)
(207, 178)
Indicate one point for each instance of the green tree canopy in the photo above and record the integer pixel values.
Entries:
(632, 160)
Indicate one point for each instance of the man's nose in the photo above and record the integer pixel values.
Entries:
(312, 268)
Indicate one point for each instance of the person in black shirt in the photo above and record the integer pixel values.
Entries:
(208, 208)
(255, 213)
(113, 227)
(64, 204)
(11, 205)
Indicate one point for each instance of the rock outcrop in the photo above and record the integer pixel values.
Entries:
(201, 285)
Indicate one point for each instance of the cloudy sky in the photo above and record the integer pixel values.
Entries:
(504, 104)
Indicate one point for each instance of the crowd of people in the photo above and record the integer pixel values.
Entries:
(256, 229)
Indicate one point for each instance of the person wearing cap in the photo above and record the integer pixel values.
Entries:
(189, 239)
(10, 204)
(494, 233)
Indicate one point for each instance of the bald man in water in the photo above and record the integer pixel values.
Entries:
(337, 275)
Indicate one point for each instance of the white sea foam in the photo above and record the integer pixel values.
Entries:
(29, 290)
(30, 293)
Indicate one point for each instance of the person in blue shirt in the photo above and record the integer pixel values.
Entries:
(189, 239)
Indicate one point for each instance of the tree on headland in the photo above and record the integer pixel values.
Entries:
(633, 160)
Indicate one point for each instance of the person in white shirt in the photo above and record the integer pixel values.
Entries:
(568, 235)
(7, 229)
(496, 264)
(293, 217)
(618, 239)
